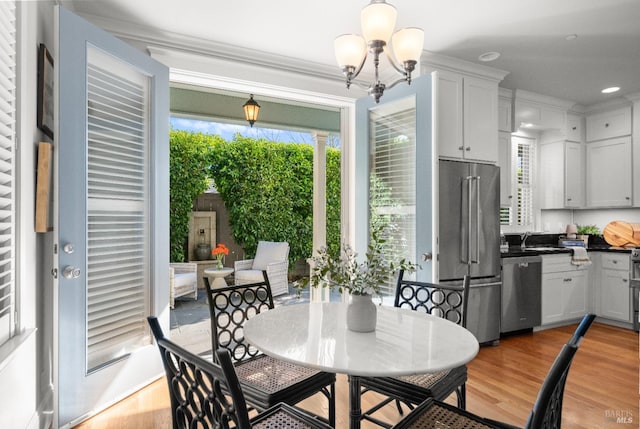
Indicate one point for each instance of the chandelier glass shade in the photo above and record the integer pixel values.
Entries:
(378, 22)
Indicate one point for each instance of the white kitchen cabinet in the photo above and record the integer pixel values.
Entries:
(575, 128)
(614, 287)
(467, 118)
(505, 162)
(561, 175)
(608, 173)
(564, 289)
(610, 124)
(504, 110)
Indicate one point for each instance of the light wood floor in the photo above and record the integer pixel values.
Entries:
(503, 384)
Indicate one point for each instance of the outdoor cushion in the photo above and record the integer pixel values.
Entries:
(268, 252)
(249, 276)
(184, 279)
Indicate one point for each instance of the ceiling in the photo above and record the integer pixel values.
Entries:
(529, 34)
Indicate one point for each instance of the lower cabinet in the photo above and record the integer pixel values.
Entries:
(564, 289)
(614, 288)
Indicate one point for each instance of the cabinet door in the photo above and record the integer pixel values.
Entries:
(449, 115)
(552, 305)
(614, 295)
(574, 175)
(575, 295)
(505, 162)
(480, 120)
(551, 175)
(504, 115)
(609, 173)
(574, 128)
(610, 124)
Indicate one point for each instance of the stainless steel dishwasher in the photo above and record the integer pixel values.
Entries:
(521, 293)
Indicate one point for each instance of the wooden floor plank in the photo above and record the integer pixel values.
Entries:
(503, 384)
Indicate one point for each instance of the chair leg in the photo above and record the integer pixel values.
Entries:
(332, 405)
(461, 393)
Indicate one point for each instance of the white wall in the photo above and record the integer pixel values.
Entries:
(24, 365)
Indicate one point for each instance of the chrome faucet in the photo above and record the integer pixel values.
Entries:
(523, 239)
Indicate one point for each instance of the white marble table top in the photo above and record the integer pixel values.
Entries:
(405, 341)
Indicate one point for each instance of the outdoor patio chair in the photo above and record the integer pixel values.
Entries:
(270, 256)
(208, 395)
(183, 280)
(546, 412)
(265, 380)
(446, 301)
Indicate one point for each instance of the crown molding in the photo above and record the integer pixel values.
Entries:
(147, 36)
(522, 95)
(622, 101)
(431, 60)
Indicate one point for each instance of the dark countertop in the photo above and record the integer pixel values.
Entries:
(516, 251)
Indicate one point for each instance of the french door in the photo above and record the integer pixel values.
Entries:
(111, 217)
(394, 172)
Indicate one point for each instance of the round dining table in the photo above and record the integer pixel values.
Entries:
(405, 342)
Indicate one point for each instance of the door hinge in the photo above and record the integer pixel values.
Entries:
(54, 273)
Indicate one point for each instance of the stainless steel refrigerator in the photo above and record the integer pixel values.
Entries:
(469, 240)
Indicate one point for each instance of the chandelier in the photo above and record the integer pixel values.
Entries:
(378, 22)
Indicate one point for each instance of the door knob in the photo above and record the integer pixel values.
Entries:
(427, 256)
(70, 272)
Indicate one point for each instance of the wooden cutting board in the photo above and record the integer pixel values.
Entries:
(622, 234)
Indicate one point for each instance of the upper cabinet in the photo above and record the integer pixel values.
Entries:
(505, 110)
(609, 158)
(609, 173)
(575, 128)
(538, 112)
(610, 124)
(467, 118)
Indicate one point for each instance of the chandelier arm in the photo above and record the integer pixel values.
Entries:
(399, 80)
(399, 68)
(362, 85)
(351, 75)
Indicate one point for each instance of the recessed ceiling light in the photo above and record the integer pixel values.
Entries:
(611, 89)
(571, 37)
(489, 56)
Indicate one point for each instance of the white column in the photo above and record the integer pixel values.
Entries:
(319, 203)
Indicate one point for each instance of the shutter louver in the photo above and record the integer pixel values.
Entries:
(524, 184)
(392, 190)
(117, 284)
(7, 170)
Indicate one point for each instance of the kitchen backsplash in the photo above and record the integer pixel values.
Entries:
(541, 239)
(555, 221)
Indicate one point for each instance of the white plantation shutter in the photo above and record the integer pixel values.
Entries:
(392, 189)
(7, 172)
(524, 186)
(118, 214)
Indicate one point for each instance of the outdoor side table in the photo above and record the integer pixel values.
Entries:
(218, 275)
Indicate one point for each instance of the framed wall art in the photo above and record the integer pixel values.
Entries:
(45, 91)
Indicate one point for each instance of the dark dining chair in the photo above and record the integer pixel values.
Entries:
(208, 395)
(446, 301)
(546, 412)
(265, 380)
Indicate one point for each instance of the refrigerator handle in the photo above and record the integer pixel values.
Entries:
(478, 223)
(467, 238)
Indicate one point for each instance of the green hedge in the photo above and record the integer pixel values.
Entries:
(188, 169)
(267, 188)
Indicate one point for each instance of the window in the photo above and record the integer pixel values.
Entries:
(520, 214)
(7, 170)
(392, 180)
